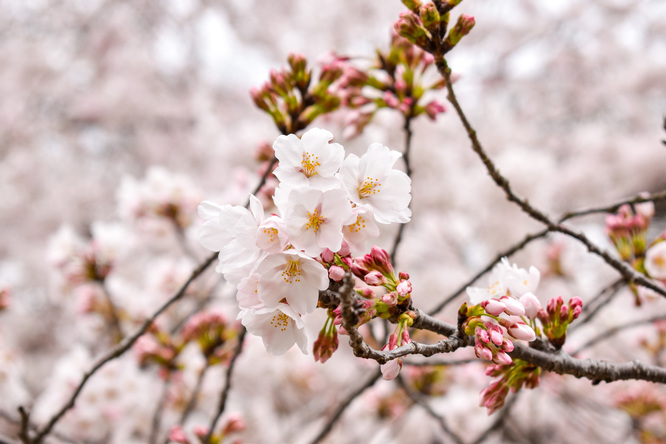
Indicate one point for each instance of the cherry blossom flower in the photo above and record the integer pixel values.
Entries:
(279, 327)
(506, 279)
(292, 277)
(372, 181)
(655, 261)
(309, 161)
(361, 231)
(315, 219)
(232, 230)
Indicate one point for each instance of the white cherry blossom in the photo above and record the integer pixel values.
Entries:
(309, 161)
(361, 230)
(279, 328)
(232, 230)
(371, 180)
(315, 219)
(293, 277)
(655, 261)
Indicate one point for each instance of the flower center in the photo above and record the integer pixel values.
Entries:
(309, 164)
(369, 187)
(280, 321)
(314, 220)
(292, 272)
(358, 225)
(272, 234)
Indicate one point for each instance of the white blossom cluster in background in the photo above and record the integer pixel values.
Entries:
(325, 202)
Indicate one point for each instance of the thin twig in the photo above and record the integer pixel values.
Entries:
(506, 253)
(195, 393)
(499, 420)
(592, 308)
(343, 406)
(614, 330)
(423, 404)
(408, 169)
(113, 313)
(227, 385)
(661, 195)
(631, 275)
(118, 351)
(155, 424)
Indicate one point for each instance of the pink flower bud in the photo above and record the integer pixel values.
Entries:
(327, 256)
(404, 288)
(482, 335)
(336, 273)
(176, 434)
(483, 353)
(531, 304)
(564, 313)
(493, 307)
(374, 278)
(390, 299)
(502, 358)
(513, 306)
(433, 108)
(496, 335)
(507, 345)
(404, 276)
(522, 331)
(344, 249)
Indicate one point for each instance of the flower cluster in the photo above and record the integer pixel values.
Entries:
(326, 203)
(557, 317)
(509, 378)
(425, 25)
(508, 305)
(232, 424)
(397, 80)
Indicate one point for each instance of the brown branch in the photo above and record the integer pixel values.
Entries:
(425, 406)
(408, 169)
(630, 275)
(343, 406)
(118, 351)
(227, 385)
(506, 253)
(661, 195)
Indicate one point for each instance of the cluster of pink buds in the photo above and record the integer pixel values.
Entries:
(158, 347)
(375, 270)
(292, 100)
(396, 81)
(425, 25)
(233, 424)
(628, 228)
(557, 317)
(213, 334)
(509, 378)
(327, 341)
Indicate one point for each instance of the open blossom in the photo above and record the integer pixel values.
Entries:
(361, 230)
(293, 277)
(655, 261)
(506, 279)
(279, 327)
(372, 181)
(315, 219)
(310, 161)
(232, 230)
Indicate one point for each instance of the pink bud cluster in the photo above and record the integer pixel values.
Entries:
(396, 81)
(213, 333)
(491, 345)
(509, 379)
(425, 25)
(292, 100)
(233, 424)
(627, 230)
(557, 317)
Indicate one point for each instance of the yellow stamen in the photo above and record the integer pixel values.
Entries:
(309, 164)
(314, 221)
(369, 187)
(292, 272)
(280, 321)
